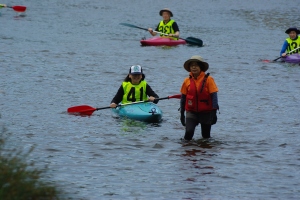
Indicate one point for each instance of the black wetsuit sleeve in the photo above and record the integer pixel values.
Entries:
(119, 96)
(182, 103)
(175, 27)
(150, 92)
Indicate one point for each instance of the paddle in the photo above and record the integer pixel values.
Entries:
(189, 40)
(88, 110)
(18, 8)
(282, 56)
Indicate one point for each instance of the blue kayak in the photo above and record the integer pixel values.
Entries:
(146, 112)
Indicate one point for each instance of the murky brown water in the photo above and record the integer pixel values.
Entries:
(75, 52)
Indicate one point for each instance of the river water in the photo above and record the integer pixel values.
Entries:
(65, 53)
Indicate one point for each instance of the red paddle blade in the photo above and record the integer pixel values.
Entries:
(19, 8)
(176, 96)
(266, 61)
(81, 110)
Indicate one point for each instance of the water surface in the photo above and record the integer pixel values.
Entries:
(62, 54)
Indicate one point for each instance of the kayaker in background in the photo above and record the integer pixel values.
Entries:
(291, 43)
(199, 98)
(2, 5)
(134, 88)
(167, 25)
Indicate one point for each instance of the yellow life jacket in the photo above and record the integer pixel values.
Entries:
(293, 44)
(166, 28)
(133, 93)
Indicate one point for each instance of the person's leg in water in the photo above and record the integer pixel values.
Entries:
(205, 130)
(190, 128)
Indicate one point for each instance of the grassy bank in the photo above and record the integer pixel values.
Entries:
(20, 179)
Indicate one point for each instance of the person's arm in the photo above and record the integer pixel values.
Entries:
(182, 103)
(117, 98)
(182, 109)
(176, 30)
(151, 93)
(214, 97)
(152, 32)
(283, 49)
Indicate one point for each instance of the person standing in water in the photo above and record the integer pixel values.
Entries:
(199, 98)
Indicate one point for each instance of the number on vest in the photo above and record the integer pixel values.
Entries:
(131, 95)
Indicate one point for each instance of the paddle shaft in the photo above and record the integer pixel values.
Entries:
(287, 53)
(142, 28)
(125, 104)
(88, 110)
(190, 40)
(178, 96)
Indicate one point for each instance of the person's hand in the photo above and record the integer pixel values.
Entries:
(214, 117)
(113, 105)
(182, 118)
(150, 30)
(173, 35)
(283, 55)
(151, 99)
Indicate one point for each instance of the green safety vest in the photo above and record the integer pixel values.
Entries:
(293, 44)
(133, 93)
(166, 28)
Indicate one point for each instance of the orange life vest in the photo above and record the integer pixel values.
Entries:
(198, 99)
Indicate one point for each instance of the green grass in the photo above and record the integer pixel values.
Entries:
(20, 179)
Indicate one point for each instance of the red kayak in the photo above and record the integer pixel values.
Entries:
(161, 41)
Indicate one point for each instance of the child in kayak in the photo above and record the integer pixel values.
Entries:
(134, 88)
(167, 26)
(291, 43)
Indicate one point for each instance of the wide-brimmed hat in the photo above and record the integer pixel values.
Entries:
(166, 10)
(292, 29)
(203, 65)
(136, 69)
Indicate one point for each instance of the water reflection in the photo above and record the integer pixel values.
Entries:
(198, 153)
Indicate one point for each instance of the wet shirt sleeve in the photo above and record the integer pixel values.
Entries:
(175, 27)
(150, 92)
(284, 47)
(119, 96)
(157, 27)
